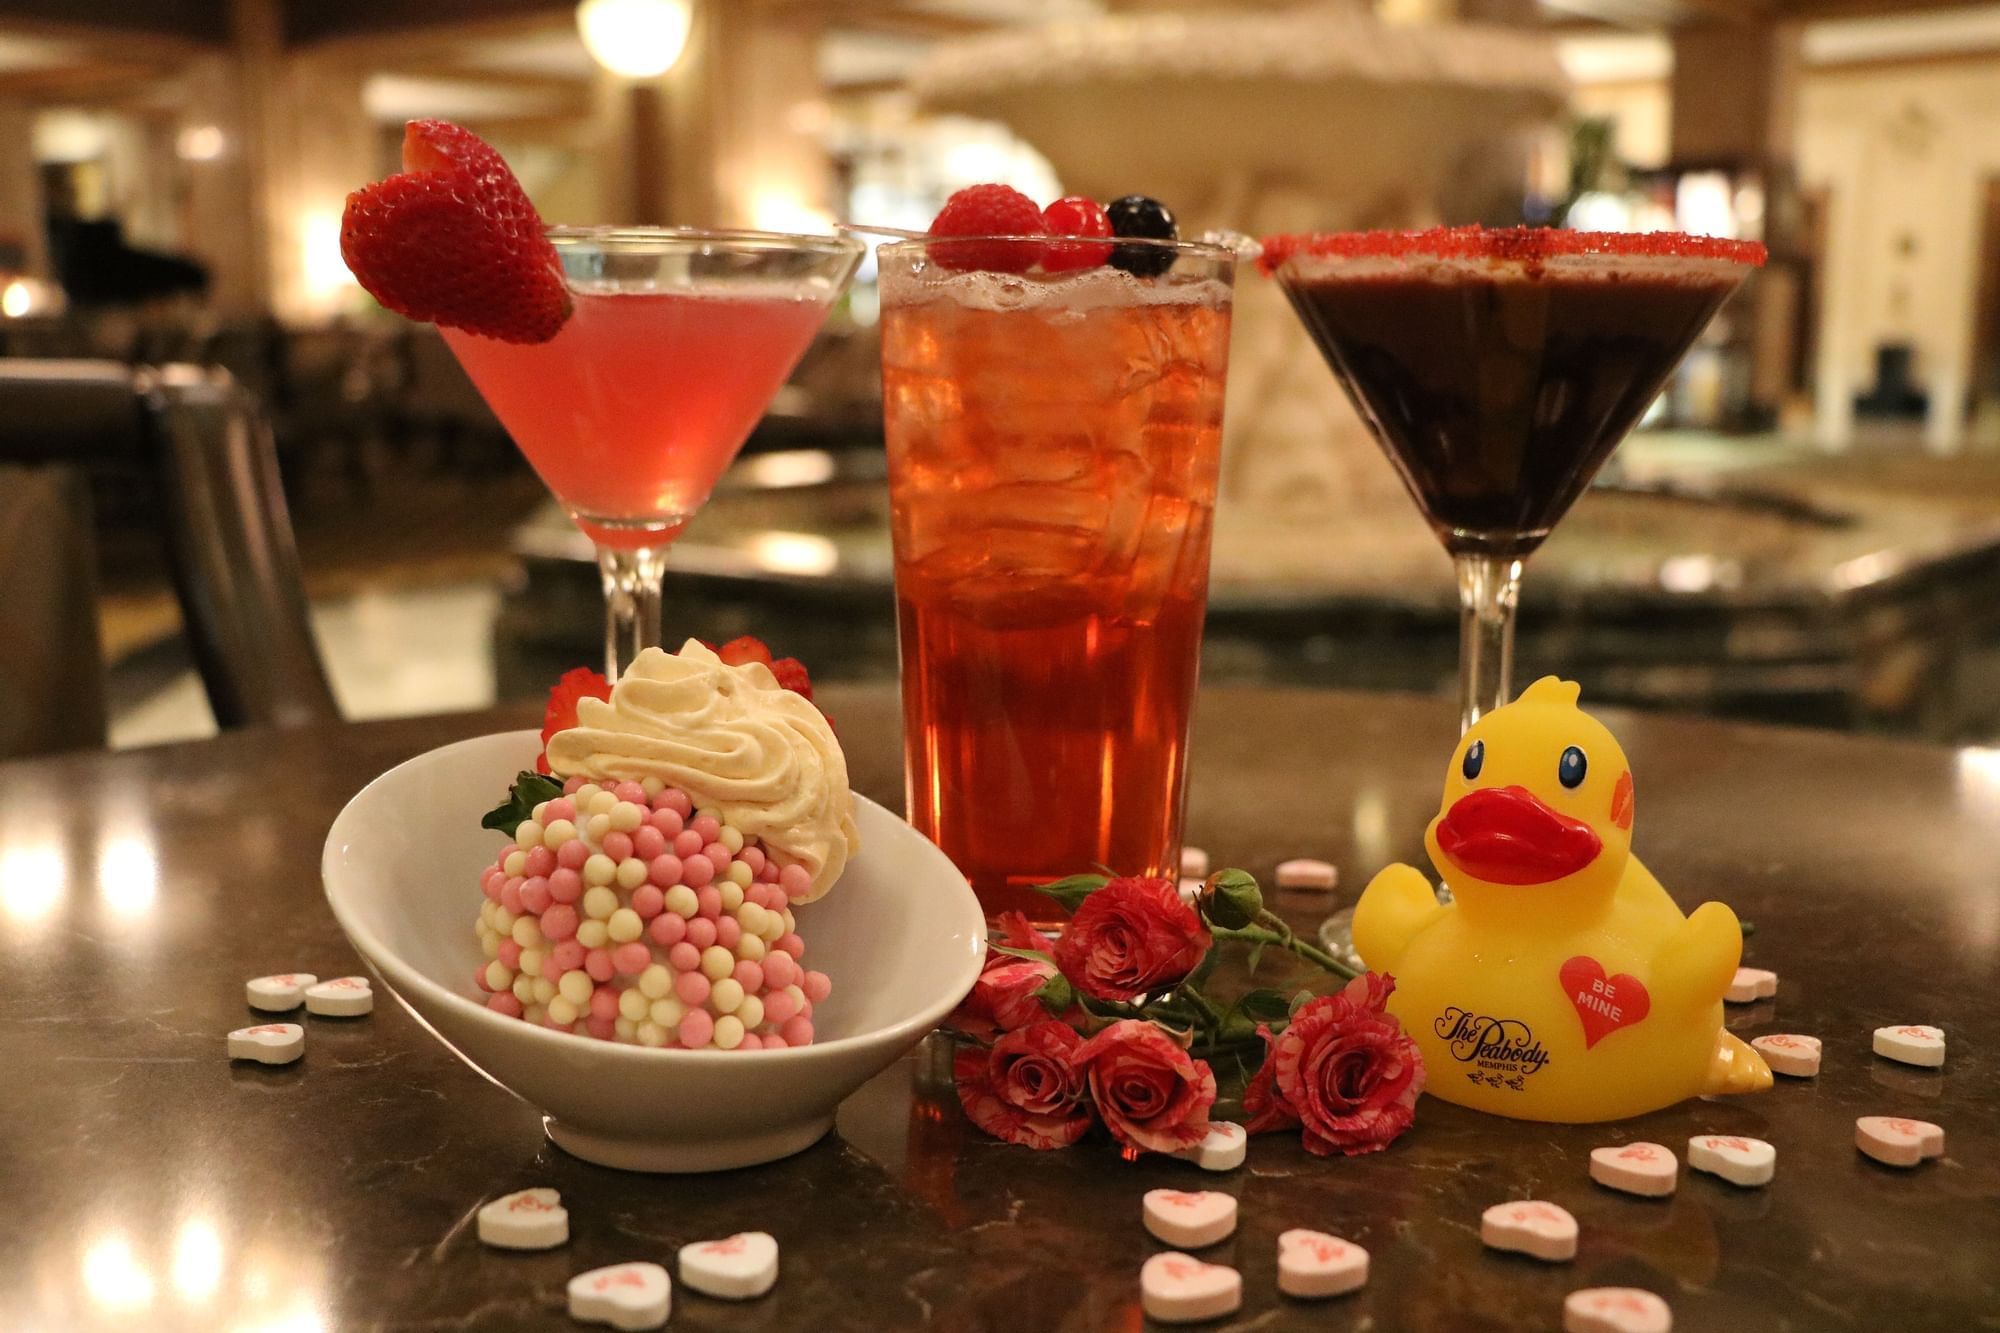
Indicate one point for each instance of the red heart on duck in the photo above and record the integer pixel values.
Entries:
(1605, 1004)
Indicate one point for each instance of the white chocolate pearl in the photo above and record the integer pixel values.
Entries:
(599, 903)
(558, 833)
(631, 873)
(726, 996)
(625, 925)
(791, 925)
(503, 921)
(751, 1012)
(737, 874)
(730, 838)
(730, 892)
(486, 913)
(535, 1013)
(798, 995)
(728, 1032)
(531, 961)
(752, 918)
(717, 963)
(625, 816)
(668, 1012)
(652, 1034)
(774, 927)
(651, 786)
(656, 981)
(524, 988)
(592, 934)
(599, 870)
(562, 1011)
(528, 836)
(681, 901)
(498, 975)
(626, 1029)
(516, 863)
(489, 943)
(575, 986)
(544, 990)
(527, 932)
(601, 802)
(584, 793)
(596, 827)
(632, 1004)
(751, 947)
(541, 808)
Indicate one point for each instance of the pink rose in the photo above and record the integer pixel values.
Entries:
(1264, 1106)
(1149, 1091)
(1026, 1090)
(1348, 1070)
(1003, 999)
(1130, 938)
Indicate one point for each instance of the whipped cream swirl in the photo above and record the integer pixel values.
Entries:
(733, 739)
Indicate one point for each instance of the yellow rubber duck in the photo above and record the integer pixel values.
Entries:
(1561, 983)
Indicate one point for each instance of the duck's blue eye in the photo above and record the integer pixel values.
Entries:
(1475, 759)
(1571, 767)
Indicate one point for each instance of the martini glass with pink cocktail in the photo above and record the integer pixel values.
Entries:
(676, 342)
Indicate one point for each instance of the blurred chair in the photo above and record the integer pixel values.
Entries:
(51, 672)
(222, 516)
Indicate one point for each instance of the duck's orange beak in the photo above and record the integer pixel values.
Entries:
(1506, 835)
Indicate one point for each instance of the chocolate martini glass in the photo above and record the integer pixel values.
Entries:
(1498, 369)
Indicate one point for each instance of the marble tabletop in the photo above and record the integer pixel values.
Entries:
(149, 1183)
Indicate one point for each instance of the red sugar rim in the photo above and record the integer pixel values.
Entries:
(1505, 243)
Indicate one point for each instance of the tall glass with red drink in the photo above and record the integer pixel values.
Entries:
(1053, 448)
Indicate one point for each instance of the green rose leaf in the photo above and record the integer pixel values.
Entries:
(1056, 994)
(1072, 891)
(529, 790)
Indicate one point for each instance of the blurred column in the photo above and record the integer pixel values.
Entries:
(766, 112)
(21, 188)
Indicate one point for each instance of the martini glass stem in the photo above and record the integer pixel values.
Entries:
(1489, 590)
(632, 577)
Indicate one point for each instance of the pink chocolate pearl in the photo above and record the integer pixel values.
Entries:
(664, 870)
(479, 978)
(718, 856)
(597, 962)
(774, 1041)
(668, 822)
(749, 975)
(728, 931)
(752, 857)
(510, 954)
(632, 793)
(648, 842)
(684, 957)
(617, 845)
(709, 899)
(701, 932)
(695, 871)
(648, 901)
(571, 784)
(676, 800)
(535, 894)
(779, 970)
(604, 1003)
(793, 945)
(559, 922)
(668, 929)
(565, 886)
(490, 882)
(567, 956)
(540, 862)
(631, 959)
(818, 986)
(696, 1028)
(692, 988)
(708, 826)
(503, 1002)
(604, 1029)
(751, 1042)
(798, 1031)
(510, 895)
(562, 807)
(796, 880)
(779, 1007)
(572, 854)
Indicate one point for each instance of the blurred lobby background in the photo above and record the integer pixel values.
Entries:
(1806, 530)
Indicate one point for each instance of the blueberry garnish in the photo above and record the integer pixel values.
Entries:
(1475, 759)
(1571, 767)
(1142, 217)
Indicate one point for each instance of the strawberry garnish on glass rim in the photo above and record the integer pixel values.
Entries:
(560, 715)
(453, 240)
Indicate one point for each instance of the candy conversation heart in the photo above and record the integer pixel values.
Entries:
(1190, 1218)
(1532, 1227)
(1917, 1044)
(530, 1219)
(1896, 1141)
(735, 1268)
(1312, 1264)
(1750, 984)
(343, 997)
(1223, 1148)
(625, 1296)
(1738, 1160)
(1616, 1310)
(268, 1043)
(1180, 1289)
(1647, 1169)
(1789, 1053)
(277, 994)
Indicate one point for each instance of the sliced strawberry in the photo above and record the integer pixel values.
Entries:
(560, 715)
(744, 650)
(454, 241)
(988, 210)
(791, 674)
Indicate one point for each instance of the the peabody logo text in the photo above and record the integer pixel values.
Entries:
(1503, 1047)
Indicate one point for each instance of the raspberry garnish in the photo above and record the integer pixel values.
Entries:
(453, 240)
(1075, 216)
(987, 211)
(560, 715)
(1519, 244)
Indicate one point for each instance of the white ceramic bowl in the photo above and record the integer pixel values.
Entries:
(901, 936)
